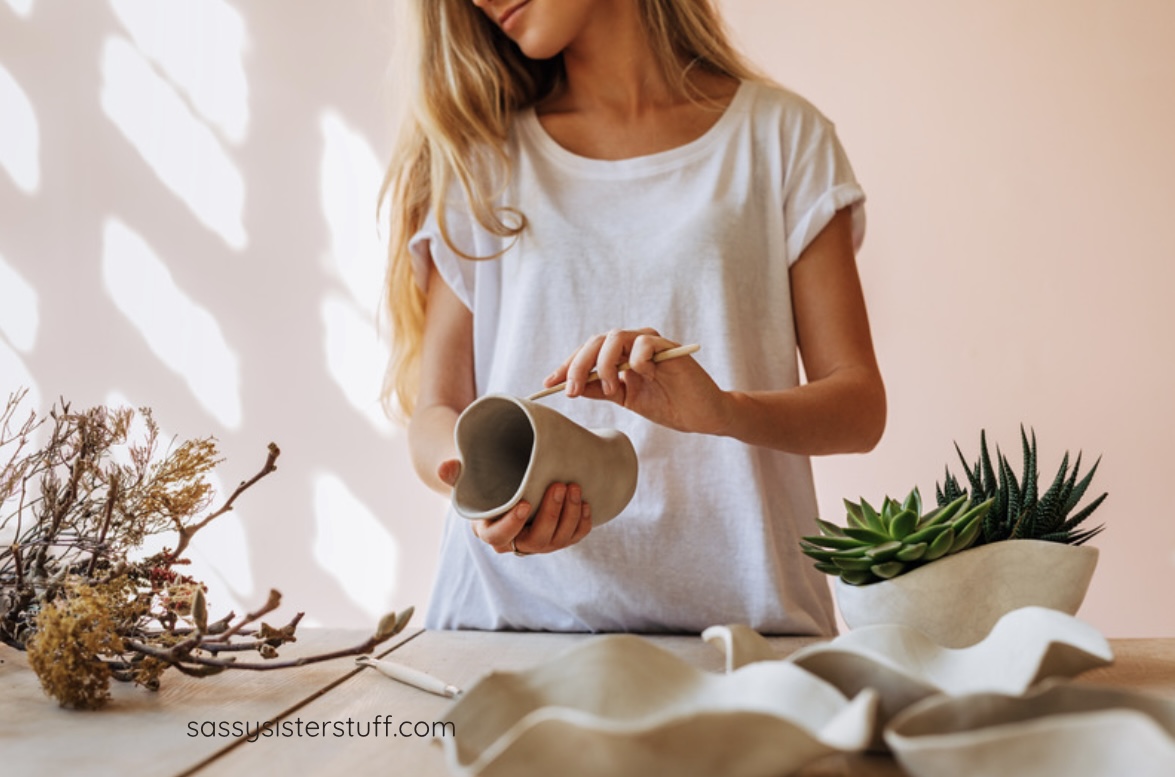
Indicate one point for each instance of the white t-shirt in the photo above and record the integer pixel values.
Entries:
(695, 242)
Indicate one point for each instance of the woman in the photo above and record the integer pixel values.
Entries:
(588, 182)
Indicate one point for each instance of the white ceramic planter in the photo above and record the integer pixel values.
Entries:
(904, 666)
(512, 449)
(956, 600)
(620, 706)
(1062, 729)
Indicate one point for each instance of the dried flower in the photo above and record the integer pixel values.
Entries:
(71, 590)
(72, 632)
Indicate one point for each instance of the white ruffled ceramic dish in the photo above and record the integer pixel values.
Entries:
(904, 665)
(957, 599)
(621, 706)
(1058, 729)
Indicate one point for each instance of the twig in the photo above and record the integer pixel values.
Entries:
(111, 497)
(16, 560)
(272, 603)
(186, 532)
(233, 647)
(188, 662)
(216, 627)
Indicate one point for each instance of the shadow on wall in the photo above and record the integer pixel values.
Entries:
(188, 200)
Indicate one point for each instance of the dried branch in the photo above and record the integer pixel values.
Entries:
(272, 603)
(71, 591)
(187, 532)
(189, 660)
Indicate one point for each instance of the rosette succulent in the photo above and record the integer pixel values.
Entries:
(879, 544)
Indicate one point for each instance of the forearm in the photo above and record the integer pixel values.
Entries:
(843, 412)
(430, 442)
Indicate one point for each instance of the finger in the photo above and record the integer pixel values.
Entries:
(612, 354)
(560, 373)
(644, 348)
(448, 471)
(585, 524)
(631, 385)
(594, 390)
(500, 532)
(537, 536)
(570, 518)
(582, 364)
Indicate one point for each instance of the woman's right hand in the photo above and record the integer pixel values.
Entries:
(562, 520)
(679, 393)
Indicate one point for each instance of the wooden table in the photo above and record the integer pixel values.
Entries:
(175, 731)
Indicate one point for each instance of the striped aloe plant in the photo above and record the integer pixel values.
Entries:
(1018, 509)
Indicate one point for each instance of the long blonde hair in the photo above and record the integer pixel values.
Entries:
(471, 80)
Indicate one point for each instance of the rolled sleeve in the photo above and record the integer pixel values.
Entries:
(820, 182)
(427, 247)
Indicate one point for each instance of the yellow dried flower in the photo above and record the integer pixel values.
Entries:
(72, 634)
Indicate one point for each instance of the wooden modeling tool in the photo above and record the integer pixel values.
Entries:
(660, 356)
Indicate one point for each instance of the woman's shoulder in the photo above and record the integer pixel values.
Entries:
(767, 95)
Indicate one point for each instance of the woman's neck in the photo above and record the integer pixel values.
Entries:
(616, 101)
(610, 67)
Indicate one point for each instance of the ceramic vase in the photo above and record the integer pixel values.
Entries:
(957, 599)
(511, 449)
(1058, 729)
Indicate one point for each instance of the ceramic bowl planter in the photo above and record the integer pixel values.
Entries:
(1062, 729)
(621, 706)
(511, 449)
(904, 666)
(958, 599)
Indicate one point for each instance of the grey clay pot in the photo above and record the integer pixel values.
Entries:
(511, 449)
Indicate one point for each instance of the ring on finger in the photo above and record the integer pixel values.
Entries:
(516, 551)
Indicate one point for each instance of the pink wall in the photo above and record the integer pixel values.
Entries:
(1018, 165)
(1018, 263)
(255, 202)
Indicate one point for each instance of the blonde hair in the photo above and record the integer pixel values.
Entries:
(471, 80)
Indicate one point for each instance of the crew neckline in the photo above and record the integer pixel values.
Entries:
(534, 131)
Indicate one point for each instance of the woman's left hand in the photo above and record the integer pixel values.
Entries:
(562, 520)
(676, 393)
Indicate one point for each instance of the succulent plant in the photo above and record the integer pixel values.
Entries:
(881, 544)
(1019, 510)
